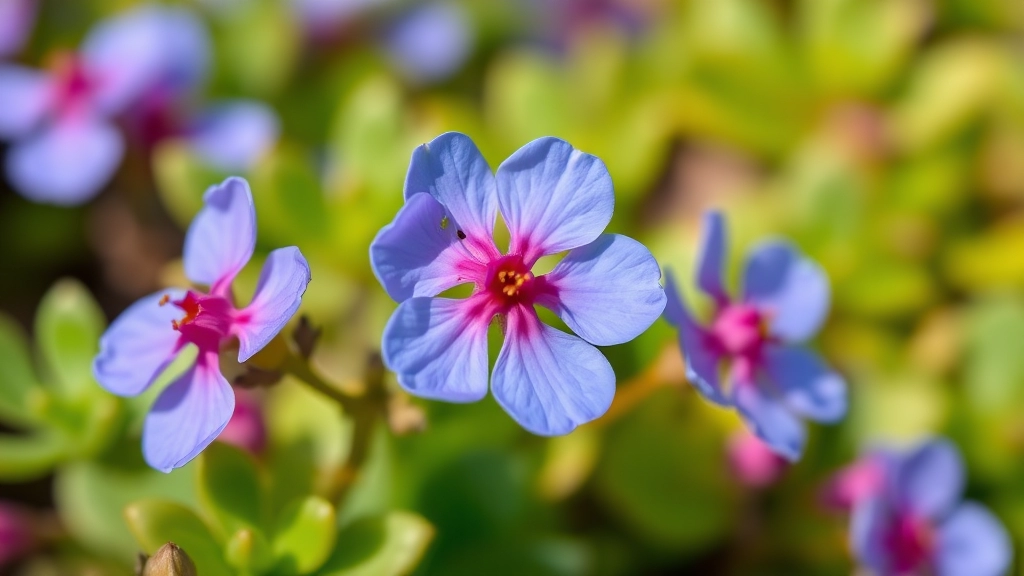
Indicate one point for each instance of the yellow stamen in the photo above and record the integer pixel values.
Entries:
(165, 299)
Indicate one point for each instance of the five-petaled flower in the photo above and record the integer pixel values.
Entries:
(770, 379)
(915, 523)
(140, 66)
(553, 199)
(193, 410)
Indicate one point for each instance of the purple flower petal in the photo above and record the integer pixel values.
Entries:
(809, 387)
(869, 527)
(792, 289)
(607, 292)
(187, 416)
(550, 382)
(222, 236)
(711, 257)
(147, 48)
(770, 419)
(972, 542)
(930, 480)
(438, 348)
(25, 97)
(418, 254)
(431, 42)
(66, 163)
(278, 295)
(139, 344)
(452, 170)
(233, 136)
(703, 360)
(187, 49)
(17, 18)
(553, 198)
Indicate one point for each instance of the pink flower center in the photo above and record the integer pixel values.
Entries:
(740, 331)
(207, 320)
(74, 85)
(910, 542)
(510, 282)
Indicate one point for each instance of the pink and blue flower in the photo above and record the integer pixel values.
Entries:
(193, 410)
(554, 199)
(139, 66)
(750, 355)
(913, 521)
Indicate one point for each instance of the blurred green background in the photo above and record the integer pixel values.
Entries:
(885, 137)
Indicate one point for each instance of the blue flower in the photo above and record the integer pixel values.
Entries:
(771, 379)
(430, 42)
(554, 199)
(915, 523)
(142, 342)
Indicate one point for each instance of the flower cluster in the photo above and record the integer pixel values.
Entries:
(555, 200)
(141, 68)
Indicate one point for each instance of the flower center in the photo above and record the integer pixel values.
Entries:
(207, 319)
(910, 542)
(74, 86)
(740, 330)
(509, 279)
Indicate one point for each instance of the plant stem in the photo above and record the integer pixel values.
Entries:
(364, 411)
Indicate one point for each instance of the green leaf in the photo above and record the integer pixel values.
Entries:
(29, 457)
(91, 498)
(886, 288)
(228, 486)
(988, 259)
(389, 545)
(261, 67)
(305, 435)
(856, 47)
(249, 552)
(951, 88)
(157, 522)
(69, 324)
(181, 179)
(305, 535)
(17, 377)
(898, 406)
(993, 368)
(291, 200)
(649, 455)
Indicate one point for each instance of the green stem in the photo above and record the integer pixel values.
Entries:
(363, 410)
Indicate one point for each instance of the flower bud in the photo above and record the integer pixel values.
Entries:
(246, 428)
(169, 560)
(17, 536)
(754, 464)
